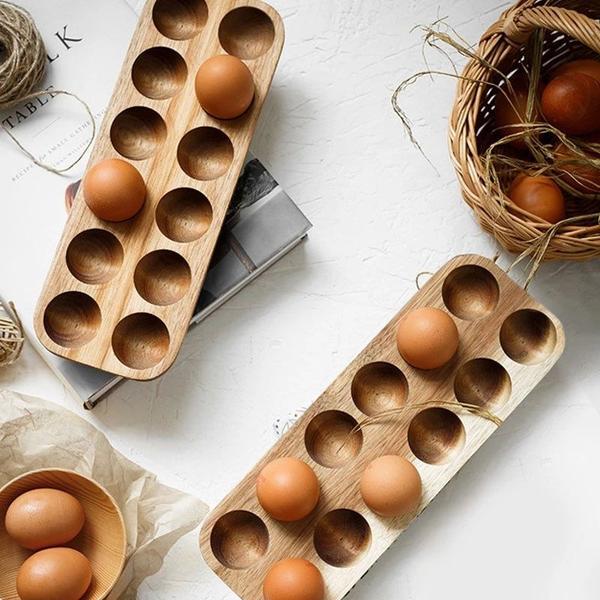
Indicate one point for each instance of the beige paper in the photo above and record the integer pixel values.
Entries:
(36, 434)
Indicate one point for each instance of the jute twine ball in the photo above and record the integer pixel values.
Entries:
(11, 335)
(23, 63)
(22, 54)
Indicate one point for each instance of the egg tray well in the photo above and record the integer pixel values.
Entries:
(120, 296)
(508, 342)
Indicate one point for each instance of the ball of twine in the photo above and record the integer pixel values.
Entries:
(22, 69)
(11, 335)
(22, 52)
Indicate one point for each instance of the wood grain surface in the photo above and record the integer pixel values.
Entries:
(508, 342)
(119, 296)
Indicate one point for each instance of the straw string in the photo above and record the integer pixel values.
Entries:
(393, 413)
(472, 409)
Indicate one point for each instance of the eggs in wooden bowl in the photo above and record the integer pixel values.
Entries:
(61, 534)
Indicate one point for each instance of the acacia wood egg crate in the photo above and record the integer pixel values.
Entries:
(120, 296)
(508, 343)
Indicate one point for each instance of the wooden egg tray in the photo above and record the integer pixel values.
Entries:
(120, 296)
(508, 342)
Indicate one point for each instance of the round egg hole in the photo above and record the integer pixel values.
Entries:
(341, 537)
(528, 337)
(159, 73)
(205, 153)
(162, 277)
(72, 319)
(180, 19)
(379, 387)
(482, 382)
(239, 539)
(137, 132)
(471, 292)
(184, 215)
(331, 439)
(246, 32)
(94, 256)
(436, 436)
(140, 341)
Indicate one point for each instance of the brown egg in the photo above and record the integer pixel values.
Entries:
(539, 196)
(54, 574)
(288, 489)
(571, 103)
(583, 178)
(511, 111)
(427, 338)
(224, 87)
(114, 190)
(44, 517)
(391, 486)
(587, 66)
(294, 579)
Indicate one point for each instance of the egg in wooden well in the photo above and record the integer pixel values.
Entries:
(44, 517)
(539, 196)
(54, 574)
(224, 87)
(114, 190)
(571, 102)
(427, 338)
(288, 489)
(294, 579)
(391, 486)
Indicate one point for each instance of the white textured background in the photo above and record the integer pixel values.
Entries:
(521, 520)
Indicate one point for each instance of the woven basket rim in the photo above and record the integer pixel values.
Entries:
(517, 230)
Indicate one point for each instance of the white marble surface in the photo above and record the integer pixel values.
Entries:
(521, 520)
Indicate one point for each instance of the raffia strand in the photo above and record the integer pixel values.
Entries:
(396, 413)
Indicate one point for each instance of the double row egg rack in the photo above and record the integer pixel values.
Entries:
(120, 296)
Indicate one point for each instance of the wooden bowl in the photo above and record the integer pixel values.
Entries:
(102, 539)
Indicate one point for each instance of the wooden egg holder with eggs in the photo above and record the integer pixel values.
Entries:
(120, 295)
(507, 344)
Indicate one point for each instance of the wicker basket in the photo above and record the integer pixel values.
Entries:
(573, 28)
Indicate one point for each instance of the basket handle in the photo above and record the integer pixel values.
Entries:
(521, 21)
